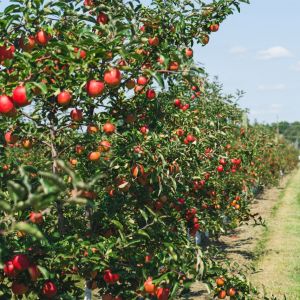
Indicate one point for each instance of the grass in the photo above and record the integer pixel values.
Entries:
(260, 247)
(278, 252)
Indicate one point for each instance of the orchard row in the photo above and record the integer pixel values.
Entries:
(117, 151)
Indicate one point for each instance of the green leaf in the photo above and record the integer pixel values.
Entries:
(143, 233)
(30, 229)
(5, 206)
(197, 70)
(174, 187)
(44, 272)
(12, 8)
(174, 290)
(29, 169)
(16, 191)
(144, 215)
(41, 86)
(52, 181)
(117, 224)
(158, 77)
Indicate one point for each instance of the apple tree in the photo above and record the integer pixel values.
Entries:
(156, 153)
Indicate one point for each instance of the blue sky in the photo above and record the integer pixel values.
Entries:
(258, 51)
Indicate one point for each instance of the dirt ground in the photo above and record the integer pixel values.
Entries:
(243, 244)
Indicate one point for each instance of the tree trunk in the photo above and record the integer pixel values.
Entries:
(54, 155)
(87, 291)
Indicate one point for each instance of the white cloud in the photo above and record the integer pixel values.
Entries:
(274, 52)
(273, 109)
(276, 106)
(238, 50)
(296, 67)
(271, 87)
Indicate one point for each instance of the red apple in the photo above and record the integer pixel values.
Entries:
(9, 269)
(64, 98)
(10, 138)
(238, 161)
(150, 94)
(34, 272)
(138, 149)
(196, 226)
(190, 138)
(27, 43)
(6, 104)
(76, 115)
(104, 146)
(88, 3)
(214, 27)
(189, 52)
(180, 132)
(222, 294)
(108, 276)
(153, 41)
(142, 80)
(21, 262)
(138, 89)
(177, 102)
(195, 220)
(185, 107)
(19, 96)
(220, 168)
(49, 289)
(137, 170)
(42, 38)
(144, 130)
(7, 52)
(174, 66)
(19, 288)
(122, 63)
(36, 217)
(109, 128)
(205, 39)
(93, 156)
(102, 18)
(95, 88)
(222, 161)
(160, 60)
(149, 287)
(91, 129)
(148, 259)
(130, 118)
(112, 77)
(116, 277)
(79, 149)
(130, 84)
(231, 292)
(82, 53)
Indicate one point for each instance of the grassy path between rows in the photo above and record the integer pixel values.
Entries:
(278, 264)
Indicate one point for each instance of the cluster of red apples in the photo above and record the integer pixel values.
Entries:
(20, 263)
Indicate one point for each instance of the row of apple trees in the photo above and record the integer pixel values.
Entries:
(116, 151)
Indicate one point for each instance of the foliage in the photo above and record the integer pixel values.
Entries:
(291, 131)
(156, 151)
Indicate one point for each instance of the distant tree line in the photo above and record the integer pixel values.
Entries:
(291, 131)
